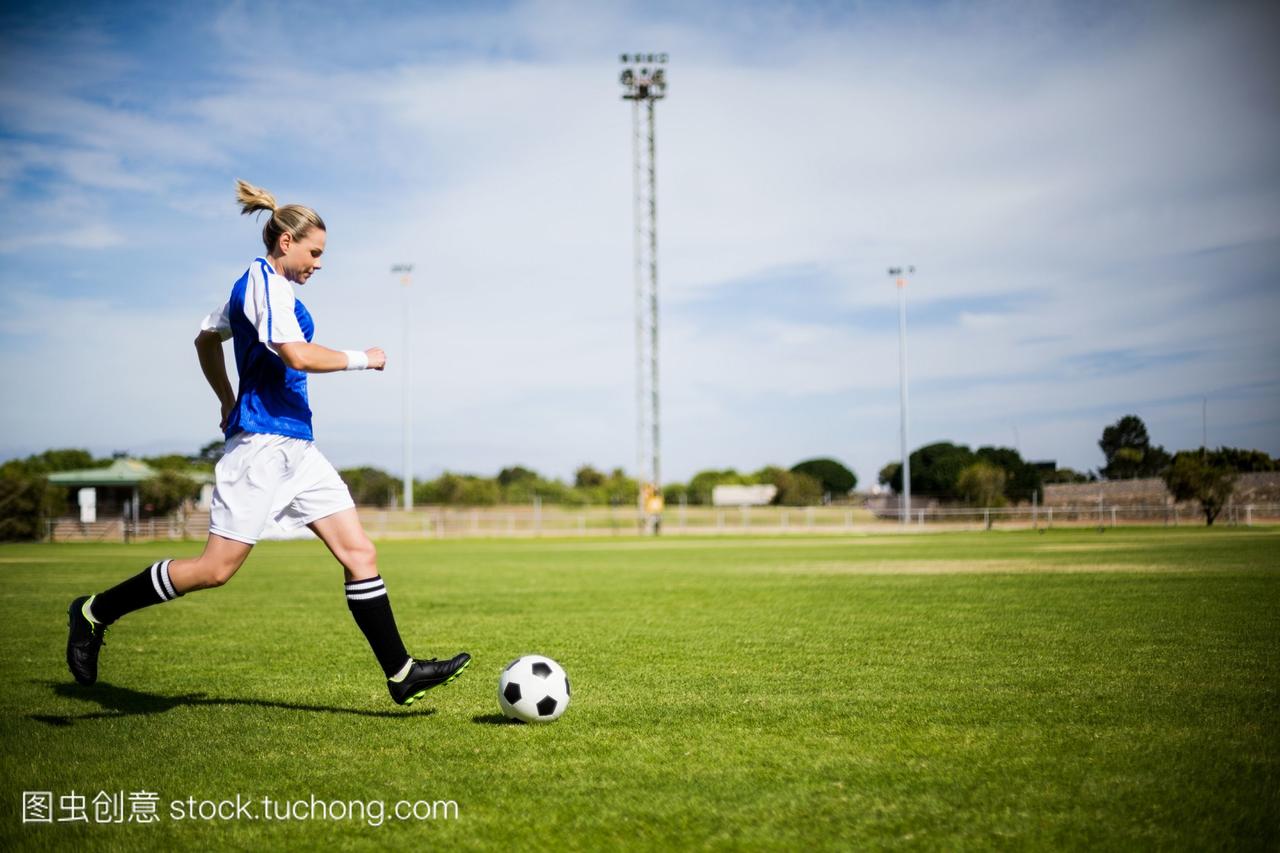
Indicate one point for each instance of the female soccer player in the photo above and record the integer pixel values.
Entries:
(271, 470)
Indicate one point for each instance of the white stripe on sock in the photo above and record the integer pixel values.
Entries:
(155, 581)
(165, 579)
(361, 596)
(357, 586)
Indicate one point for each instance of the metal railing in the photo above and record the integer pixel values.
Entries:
(526, 521)
(1088, 515)
(123, 529)
(437, 522)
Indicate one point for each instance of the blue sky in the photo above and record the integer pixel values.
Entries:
(1089, 191)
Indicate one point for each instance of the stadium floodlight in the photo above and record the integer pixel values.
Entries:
(643, 83)
(405, 271)
(900, 278)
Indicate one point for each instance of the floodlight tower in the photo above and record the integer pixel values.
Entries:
(644, 80)
(900, 278)
(405, 271)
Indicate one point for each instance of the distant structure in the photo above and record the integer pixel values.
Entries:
(900, 276)
(743, 495)
(405, 271)
(113, 494)
(644, 81)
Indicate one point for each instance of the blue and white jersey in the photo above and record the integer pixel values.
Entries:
(261, 314)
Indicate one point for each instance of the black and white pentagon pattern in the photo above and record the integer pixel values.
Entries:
(534, 689)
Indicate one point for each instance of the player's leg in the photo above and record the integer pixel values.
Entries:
(366, 593)
(89, 616)
(246, 480)
(407, 678)
(221, 559)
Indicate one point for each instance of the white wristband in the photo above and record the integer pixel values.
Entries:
(356, 359)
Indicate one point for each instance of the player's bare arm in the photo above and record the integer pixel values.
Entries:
(314, 358)
(214, 367)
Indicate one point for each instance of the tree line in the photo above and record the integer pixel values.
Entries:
(995, 476)
(1202, 475)
(988, 476)
(809, 482)
(28, 500)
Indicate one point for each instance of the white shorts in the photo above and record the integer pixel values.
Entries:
(265, 478)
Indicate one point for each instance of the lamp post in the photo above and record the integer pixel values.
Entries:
(900, 279)
(644, 80)
(405, 271)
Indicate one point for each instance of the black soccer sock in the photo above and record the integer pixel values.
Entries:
(150, 586)
(371, 609)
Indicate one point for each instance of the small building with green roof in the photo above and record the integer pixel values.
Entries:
(113, 491)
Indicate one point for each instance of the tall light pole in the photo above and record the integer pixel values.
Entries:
(405, 271)
(900, 278)
(644, 80)
(1204, 423)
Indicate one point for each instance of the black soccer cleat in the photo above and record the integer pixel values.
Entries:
(84, 641)
(425, 674)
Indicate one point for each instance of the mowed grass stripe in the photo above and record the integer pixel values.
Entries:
(764, 693)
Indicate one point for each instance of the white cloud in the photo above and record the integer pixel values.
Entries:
(97, 235)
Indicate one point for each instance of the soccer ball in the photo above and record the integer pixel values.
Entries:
(533, 689)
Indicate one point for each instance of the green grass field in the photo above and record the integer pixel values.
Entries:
(950, 691)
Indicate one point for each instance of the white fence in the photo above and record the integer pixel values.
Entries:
(553, 521)
(193, 525)
(1086, 515)
(526, 521)
(447, 522)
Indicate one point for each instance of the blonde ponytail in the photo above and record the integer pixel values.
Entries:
(252, 199)
(295, 220)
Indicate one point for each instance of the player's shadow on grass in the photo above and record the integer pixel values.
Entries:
(123, 702)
